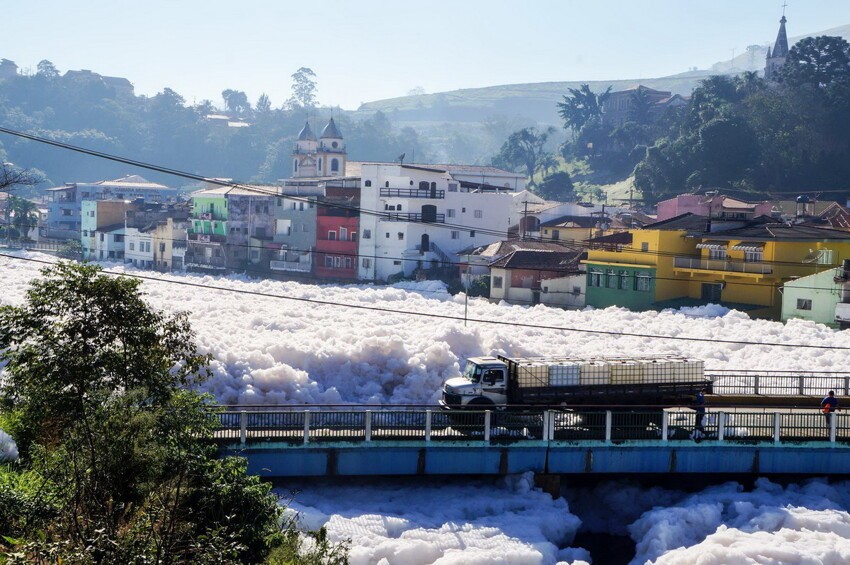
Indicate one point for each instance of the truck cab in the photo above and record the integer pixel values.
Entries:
(483, 383)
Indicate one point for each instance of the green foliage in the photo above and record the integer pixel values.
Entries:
(310, 548)
(117, 464)
(557, 186)
(742, 133)
(581, 106)
(303, 88)
(525, 149)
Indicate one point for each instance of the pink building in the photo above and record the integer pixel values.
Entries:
(712, 206)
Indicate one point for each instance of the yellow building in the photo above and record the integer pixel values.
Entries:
(691, 260)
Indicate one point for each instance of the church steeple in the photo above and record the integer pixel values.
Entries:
(776, 57)
(780, 48)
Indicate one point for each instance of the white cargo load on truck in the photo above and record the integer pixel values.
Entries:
(600, 371)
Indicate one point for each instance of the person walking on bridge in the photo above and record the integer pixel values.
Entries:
(699, 408)
(829, 404)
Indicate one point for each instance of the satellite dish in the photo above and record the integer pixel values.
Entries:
(812, 256)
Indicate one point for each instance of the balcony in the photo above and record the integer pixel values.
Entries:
(295, 266)
(210, 216)
(415, 217)
(336, 246)
(206, 238)
(722, 265)
(201, 262)
(412, 193)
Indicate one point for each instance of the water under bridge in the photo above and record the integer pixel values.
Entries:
(321, 441)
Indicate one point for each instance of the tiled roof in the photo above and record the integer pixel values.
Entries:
(687, 221)
(565, 261)
(779, 231)
(501, 248)
(572, 221)
(619, 238)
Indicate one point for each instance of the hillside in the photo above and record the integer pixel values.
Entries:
(536, 101)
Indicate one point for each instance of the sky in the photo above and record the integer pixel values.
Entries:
(375, 49)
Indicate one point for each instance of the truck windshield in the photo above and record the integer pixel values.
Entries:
(472, 372)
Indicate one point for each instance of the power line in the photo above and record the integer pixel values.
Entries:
(448, 317)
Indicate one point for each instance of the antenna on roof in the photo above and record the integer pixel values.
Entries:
(401, 158)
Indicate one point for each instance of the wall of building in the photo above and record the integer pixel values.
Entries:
(823, 292)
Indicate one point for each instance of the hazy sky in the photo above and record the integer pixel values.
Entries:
(373, 49)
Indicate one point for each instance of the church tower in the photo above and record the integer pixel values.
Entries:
(304, 154)
(331, 154)
(776, 58)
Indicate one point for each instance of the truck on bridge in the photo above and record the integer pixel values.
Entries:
(500, 382)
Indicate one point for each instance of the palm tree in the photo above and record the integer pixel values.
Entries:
(23, 214)
(581, 106)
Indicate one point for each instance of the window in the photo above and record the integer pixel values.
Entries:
(260, 232)
(281, 227)
(329, 261)
(644, 246)
(304, 228)
(611, 279)
(255, 254)
(455, 235)
(754, 256)
(804, 304)
(256, 208)
(463, 210)
(293, 205)
(556, 235)
(147, 244)
(825, 257)
(478, 214)
(423, 185)
(576, 290)
(353, 236)
(67, 212)
(367, 263)
(452, 187)
(85, 233)
(132, 246)
(595, 278)
(337, 262)
(343, 234)
(388, 207)
(388, 235)
(331, 235)
(348, 262)
(398, 207)
(624, 280)
(320, 164)
(471, 233)
(279, 201)
(497, 282)
(642, 283)
(334, 165)
(387, 184)
(396, 262)
(245, 231)
(450, 213)
(367, 234)
(162, 248)
(717, 254)
(301, 206)
(368, 183)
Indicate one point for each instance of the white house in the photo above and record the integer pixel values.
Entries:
(420, 216)
(139, 246)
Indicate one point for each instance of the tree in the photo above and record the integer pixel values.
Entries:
(558, 186)
(817, 62)
(47, 70)
(524, 149)
(640, 107)
(581, 106)
(236, 101)
(116, 444)
(24, 215)
(303, 88)
(264, 105)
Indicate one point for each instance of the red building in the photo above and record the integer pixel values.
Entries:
(336, 243)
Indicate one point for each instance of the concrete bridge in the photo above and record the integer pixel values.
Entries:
(318, 441)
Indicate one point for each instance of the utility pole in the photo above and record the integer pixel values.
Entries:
(524, 220)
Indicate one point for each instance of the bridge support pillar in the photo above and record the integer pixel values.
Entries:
(550, 484)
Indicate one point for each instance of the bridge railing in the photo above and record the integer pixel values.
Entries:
(295, 426)
(780, 383)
